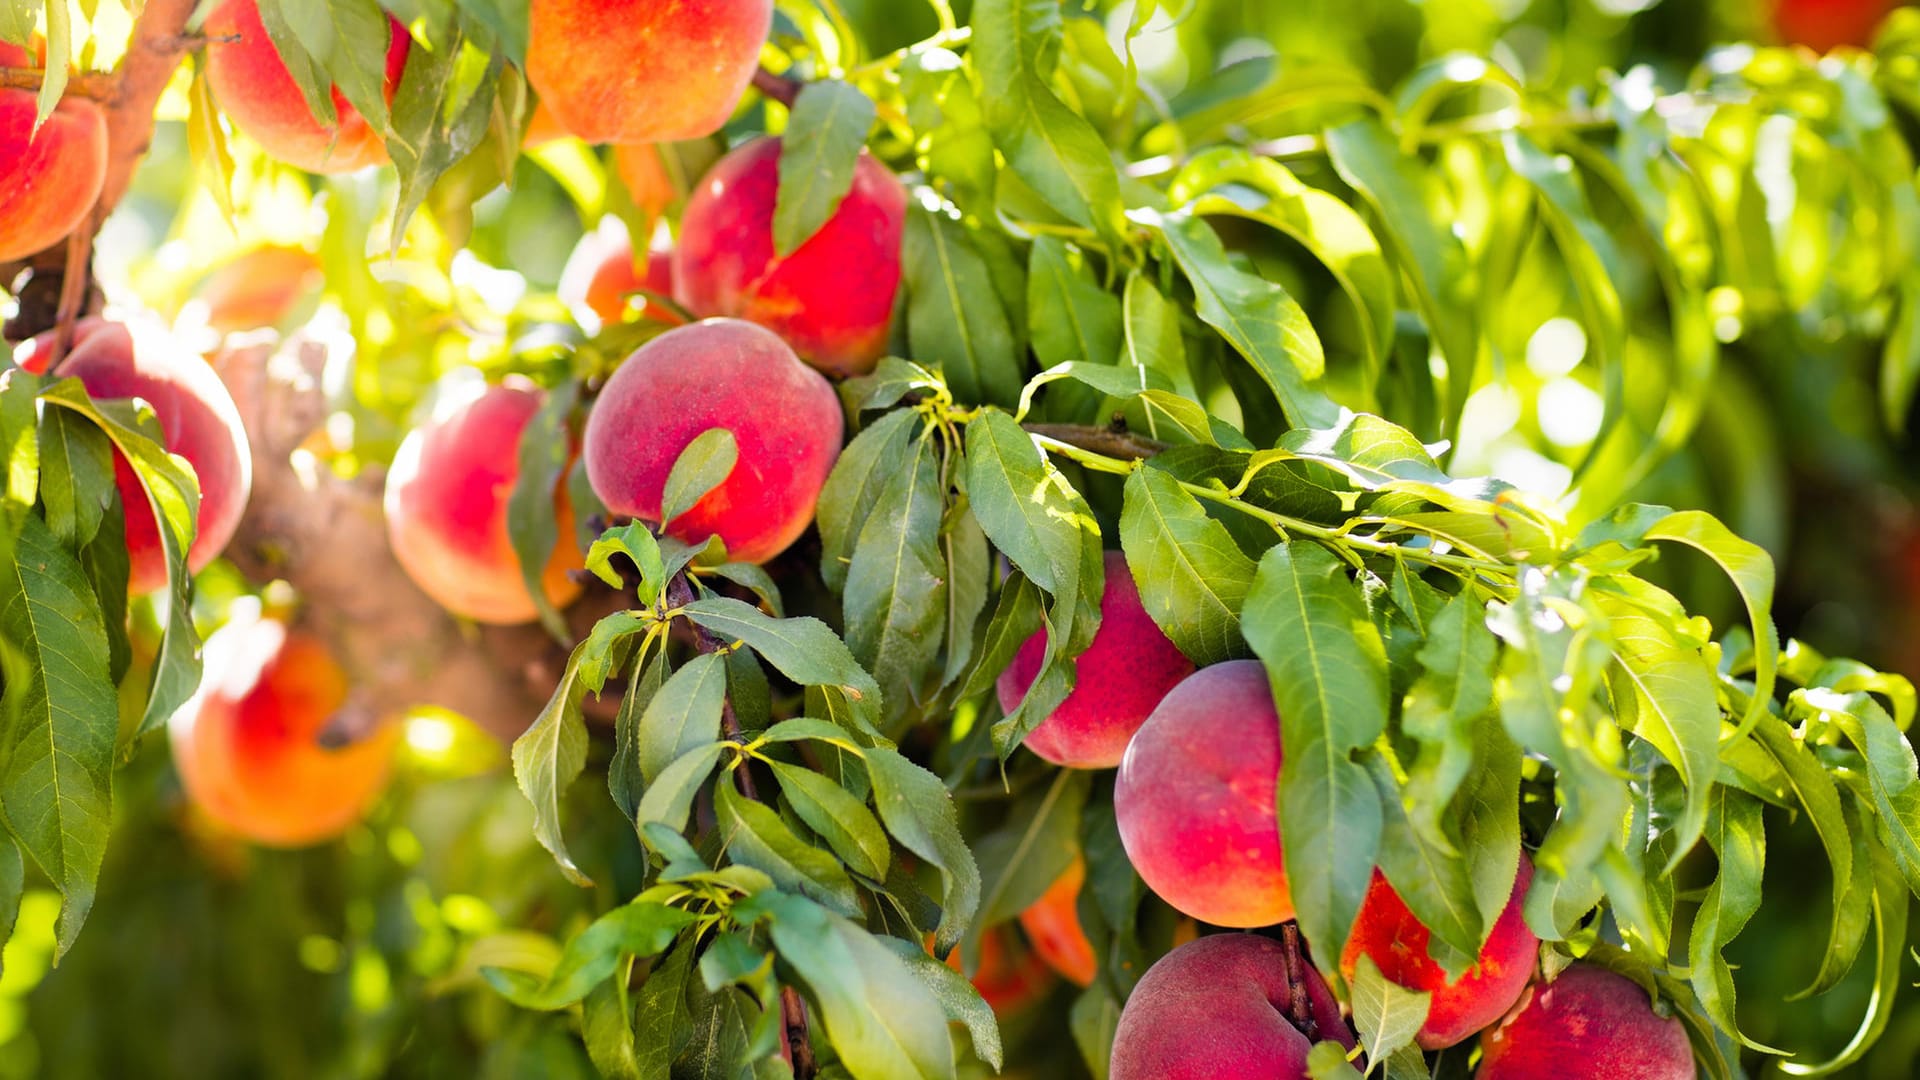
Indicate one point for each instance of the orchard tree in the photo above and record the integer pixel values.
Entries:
(989, 556)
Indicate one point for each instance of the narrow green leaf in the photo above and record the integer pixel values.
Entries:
(625, 781)
(1663, 692)
(853, 488)
(1436, 886)
(662, 1027)
(1454, 688)
(919, 812)
(1387, 1015)
(802, 649)
(1193, 577)
(532, 526)
(957, 996)
(704, 465)
(669, 799)
(1737, 835)
(818, 151)
(842, 820)
(895, 600)
(547, 758)
(1070, 317)
(954, 318)
(76, 476)
(683, 715)
(637, 929)
(1022, 859)
(756, 836)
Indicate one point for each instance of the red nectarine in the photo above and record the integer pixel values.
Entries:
(1588, 1022)
(49, 180)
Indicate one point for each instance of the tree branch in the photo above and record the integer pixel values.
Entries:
(1114, 442)
(159, 41)
(92, 85)
(778, 87)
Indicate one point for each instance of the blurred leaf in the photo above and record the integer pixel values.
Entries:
(532, 524)
(1094, 1020)
(637, 929)
(1023, 858)
(441, 113)
(818, 152)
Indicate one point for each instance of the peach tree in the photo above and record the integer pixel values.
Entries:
(970, 516)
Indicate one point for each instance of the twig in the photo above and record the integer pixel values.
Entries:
(778, 87)
(1299, 1005)
(159, 41)
(92, 85)
(679, 594)
(1114, 442)
(73, 289)
(793, 1011)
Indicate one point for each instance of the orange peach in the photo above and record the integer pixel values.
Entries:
(1053, 926)
(1119, 679)
(832, 297)
(602, 274)
(1009, 977)
(198, 420)
(629, 71)
(722, 373)
(1389, 934)
(254, 88)
(1195, 799)
(1222, 1007)
(260, 288)
(249, 745)
(1587, 1022)
(446, 506)
(49, 180)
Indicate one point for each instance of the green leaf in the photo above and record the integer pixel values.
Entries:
(1022, 859)
(309, 74)
(969, 569)
(1900, 365)
(1738, 837)
(624, 780)
(1751, 569)
(532, 525)
(920, 814)
(61, 719)
(957, 996)
(756, 836)
(1016, 617)
(1387, 1015)
(1454, 688)
(1893, 777)
(1328, 1061)
(1262, 322)
(1436, 885)
(669, 799)
(818, 152)
(548, 757)
(1095, 1020)
(1193, 578)
(1027, 509)
(13, 885)
(638, 929)
(638, 544)
(20, 441)
(842, 820)
(1891, 903)
(852, 490)
(1071, 319)
(895, 600)
(683, 716)
(1664, 693)
(441, 112)
(347, 41)
(76, 476)
(802, 649)
(704, 465)
(663, 1028)
(879, 1017)
(954, 318)
(606, 1026)
(1307, 623)
(1845, 846)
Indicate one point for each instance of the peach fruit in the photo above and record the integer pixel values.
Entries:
(1009, 978)
(628, 71)
(248, 745)
(258, 93)
(832, 298)
(1221, 1006)
(1825, 25)
(1397, 943)
(1195, 799)
(1053, 926)
(259, 288)
(446, 506)
(1588, 1022)
(722, 373)
(198, 421)
(49, 180)
(642, 170)
(1119, 679)
(602, 273)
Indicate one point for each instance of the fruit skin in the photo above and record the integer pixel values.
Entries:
(260, 288)
(1053, 927)
(1009, 978)
(1119, 679)
(256, 91)
(785, 419)
(629, 71)
(643, 172)
(446, 506)
(1591, 1016)
(1217, 1008)
(199, 422)
(1397, 942)
(832, 298)
(48, 181)
(246, 748)
(1824, 25)
(602, 273)
(1195, 799)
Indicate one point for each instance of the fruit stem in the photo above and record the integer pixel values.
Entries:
(778, 87)
(1299, 1006)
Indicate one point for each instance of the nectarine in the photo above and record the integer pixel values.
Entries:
(247, 745)
(1588, 1022)
(198, 420)
(722, 373)
(1195, 799)
(1053, 926)
(446, 506)
(258, 93)
(49, 181)
(1119, 679)
(831, 298)
(1221, 1007)
(628, 71)
(1397, 943)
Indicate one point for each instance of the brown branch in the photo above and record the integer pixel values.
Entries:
(793, 1012)
(1299, 1005)
(159, 41)
(92, 85)
(1115, 441)
(778, 87)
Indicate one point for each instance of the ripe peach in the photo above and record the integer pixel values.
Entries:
(1591, 1022)
(1195, 799)
(1397, 942)
(260, 288)
(1119, 679)
(48, 181)
(1053, 926)
(198, 420)
(1825, 25)
(255, 90)
(643, 172)
(542, 128)
(1220, 1007)
(832, 298)
(247, 745)
(785, 419)
(628, 71)
(446, 505)
(601, 274)
(1009, 977)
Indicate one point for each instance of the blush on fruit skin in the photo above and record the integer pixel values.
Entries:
(1592, 1016)
(630, 71)
(1195, 799)
(1119, 679)
(831, 298)
(247, 747)
(446, 508)
(259, 288)
(254, 88)
(197, 418)
(722, 373)
(49, 180)
(1825, 25)
(1387, 932)
(1053, 927)
(1217, 1008)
